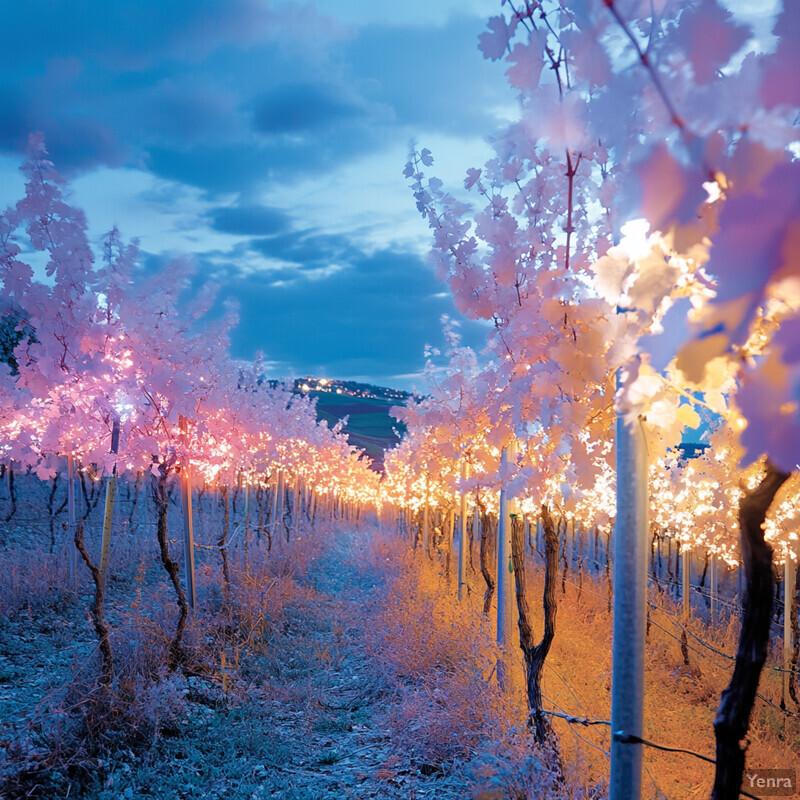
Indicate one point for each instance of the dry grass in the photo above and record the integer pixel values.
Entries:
(400, 667)
(34, 581)
(448, 706)
(420, 629)
(447, 711)
(67, 732)
(680, 701)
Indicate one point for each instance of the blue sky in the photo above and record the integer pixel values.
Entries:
(267, 140)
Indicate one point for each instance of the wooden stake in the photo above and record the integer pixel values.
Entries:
(188, 525)
(462, 539)
(73, 551)
(686, 569)
(426, 518)
(280, 490)
(296, 505)
(246, 521)
(506, 618)
(108, 513)
(712, 585)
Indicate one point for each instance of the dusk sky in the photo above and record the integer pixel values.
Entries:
(266, 140)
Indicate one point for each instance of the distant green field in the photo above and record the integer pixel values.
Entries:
(369, 426)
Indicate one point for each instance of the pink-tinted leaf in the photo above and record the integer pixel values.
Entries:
(769, 401)
(788, 340)
(664, 346)
(759, 235)
(710, 37)
(781, 85)
(588, 57)
(528, 60)
(562, 124)
(493, 43)
(655, 280)
(666, 192)
(611, 276)
(473, 176)
(749, 165)
(693, 358)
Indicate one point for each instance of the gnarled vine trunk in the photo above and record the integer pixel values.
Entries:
(796, 646)
(175, 653)
(733, 716)
(12, 493)
(535, 654)
(53, 512)
(486, 552)
(98, 616)
(222, 542)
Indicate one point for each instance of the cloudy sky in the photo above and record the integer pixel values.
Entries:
(267, 139)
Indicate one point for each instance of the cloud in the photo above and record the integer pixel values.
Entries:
(369, 319)
(372, 318)
(190, 123)
(307, 248)
(422, 13)
(296, 107)
(181, 109)
(76, 142)
(182, 86)
(126, 36)
(433, 77)
(106, 82)
(14, 121)
(249, 220)
(83, 144)
(230, 95)
(220, 168)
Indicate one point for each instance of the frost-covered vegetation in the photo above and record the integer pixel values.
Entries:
(269, 617)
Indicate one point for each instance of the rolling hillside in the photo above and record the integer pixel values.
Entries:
(369, 424)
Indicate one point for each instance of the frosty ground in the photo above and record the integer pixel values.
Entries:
(297, 717)
(338, 663)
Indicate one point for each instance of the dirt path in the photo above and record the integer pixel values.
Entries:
(299, 715)
(333, 719)
(303, 716)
